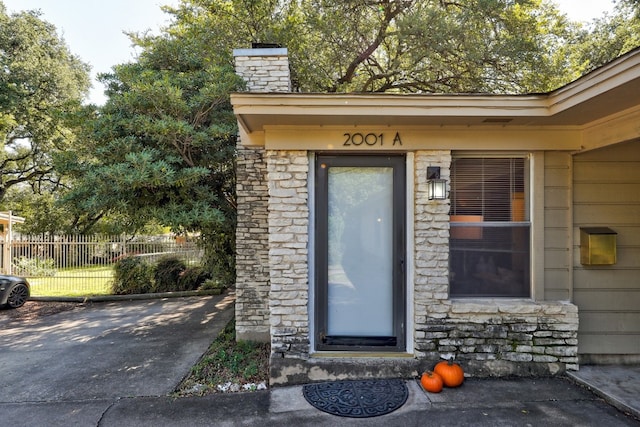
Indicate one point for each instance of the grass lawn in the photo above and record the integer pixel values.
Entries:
(76, 282)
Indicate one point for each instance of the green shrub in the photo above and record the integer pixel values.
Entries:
(24, 266)
(192, 278)
(132, 275)
(167, 274)
(211, 284)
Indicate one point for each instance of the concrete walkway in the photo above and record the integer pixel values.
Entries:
(479, 402)
(619, 385)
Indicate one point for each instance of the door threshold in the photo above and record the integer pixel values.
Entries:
(360, 354)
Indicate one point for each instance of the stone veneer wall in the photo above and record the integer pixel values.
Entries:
(252, 246)
(265, 70)
(489, 336)
(501, 337)
(431, 238)
(288, 173)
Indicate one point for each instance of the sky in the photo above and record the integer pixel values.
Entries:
(94, 29)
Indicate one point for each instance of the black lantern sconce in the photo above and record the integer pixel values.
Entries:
(437, 188)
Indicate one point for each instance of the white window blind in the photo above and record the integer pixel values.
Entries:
(491, 188)
(490, 229)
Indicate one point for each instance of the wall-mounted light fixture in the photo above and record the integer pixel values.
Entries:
(437, 188)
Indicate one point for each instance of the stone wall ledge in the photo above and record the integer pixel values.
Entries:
(511, 306)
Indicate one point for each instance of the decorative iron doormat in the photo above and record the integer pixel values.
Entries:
(357, 398)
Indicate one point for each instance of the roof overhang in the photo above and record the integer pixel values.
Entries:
(604, 92)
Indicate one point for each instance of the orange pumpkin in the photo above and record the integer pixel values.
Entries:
(431, 382)
(451, 373)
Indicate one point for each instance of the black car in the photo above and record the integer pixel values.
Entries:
(14, 291)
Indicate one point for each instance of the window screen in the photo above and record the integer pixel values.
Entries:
(490, 229)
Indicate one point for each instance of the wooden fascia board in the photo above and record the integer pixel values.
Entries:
(612, 130)
(595, 83)
(294, 105)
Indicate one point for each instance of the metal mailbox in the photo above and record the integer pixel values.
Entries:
(597, 246)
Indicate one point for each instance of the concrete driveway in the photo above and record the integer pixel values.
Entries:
(108, 350)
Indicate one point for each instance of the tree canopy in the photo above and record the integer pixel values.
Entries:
(162, 147)
(497, 46)
(610, 36)
(41, 86)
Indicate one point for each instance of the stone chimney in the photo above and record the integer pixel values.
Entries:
(265, 68)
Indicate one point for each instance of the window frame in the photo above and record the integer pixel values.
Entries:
(473, 227)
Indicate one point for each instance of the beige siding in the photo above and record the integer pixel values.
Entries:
(557, 232)
(607, 193)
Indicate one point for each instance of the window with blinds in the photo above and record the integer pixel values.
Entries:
(490, 227)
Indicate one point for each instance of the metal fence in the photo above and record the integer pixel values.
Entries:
(77, 265)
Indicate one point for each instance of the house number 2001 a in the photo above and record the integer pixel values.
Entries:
(369, 139)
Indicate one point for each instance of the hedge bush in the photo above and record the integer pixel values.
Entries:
(167, 273)
(192, 278)
(24, 266)
(132, 275)
(211, 284)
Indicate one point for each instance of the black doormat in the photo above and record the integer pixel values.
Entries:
(357, 398)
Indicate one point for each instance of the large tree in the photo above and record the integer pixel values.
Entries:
(162, 147)
(610, 36)
(41, 87)
(498, 46)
